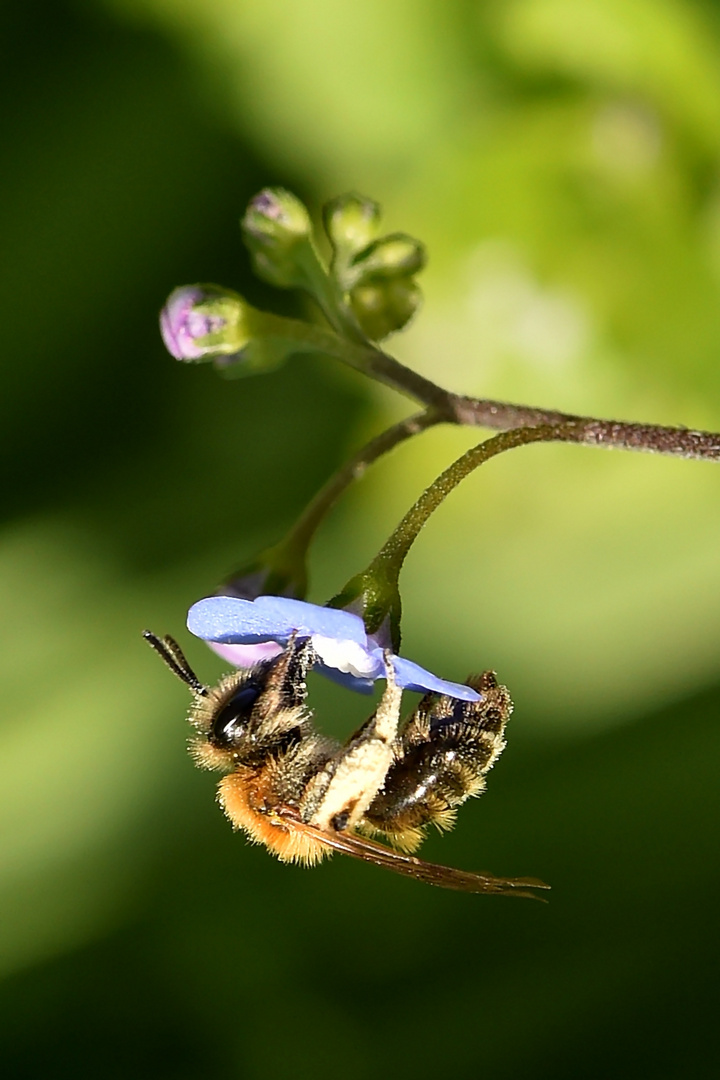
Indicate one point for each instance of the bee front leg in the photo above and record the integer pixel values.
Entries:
(286, 677)
(339, 795)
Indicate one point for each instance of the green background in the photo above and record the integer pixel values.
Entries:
(561, 158)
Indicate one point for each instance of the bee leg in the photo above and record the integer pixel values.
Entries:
(285, 683)
(339, 795)
(441, 759)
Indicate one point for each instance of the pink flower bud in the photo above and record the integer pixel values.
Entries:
(200, 321)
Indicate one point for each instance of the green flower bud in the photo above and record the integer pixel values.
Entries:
(397, 255)
(383, 307)
(351, 222)
(278, 234)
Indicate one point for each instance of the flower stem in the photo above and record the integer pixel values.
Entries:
(484, 412)
(282, 569)
(304, 528)
(374, 593)
(388, 562)
(500, 415)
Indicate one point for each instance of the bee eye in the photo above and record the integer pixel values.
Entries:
(230, 724)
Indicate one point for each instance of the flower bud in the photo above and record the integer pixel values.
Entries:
(351, 222)
(383, 307)
(397, 255)
(277, 571)
(278, 234)
(200, 322)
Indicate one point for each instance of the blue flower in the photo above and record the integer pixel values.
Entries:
(242, 631)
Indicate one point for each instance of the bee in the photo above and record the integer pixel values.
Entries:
(305, 796)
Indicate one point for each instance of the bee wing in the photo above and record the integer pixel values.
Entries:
(446, 877)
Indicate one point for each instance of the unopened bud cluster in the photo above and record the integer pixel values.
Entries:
(367, 292)
(376, 275)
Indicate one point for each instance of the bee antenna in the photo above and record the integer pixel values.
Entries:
(170, 652)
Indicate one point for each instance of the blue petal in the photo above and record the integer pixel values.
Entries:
(232, 621)
(412, 677)
(229, 620)
(312, 619)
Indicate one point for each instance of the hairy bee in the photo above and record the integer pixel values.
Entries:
(304, 795)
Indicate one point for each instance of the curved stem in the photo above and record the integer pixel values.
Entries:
(304, 528)
(374, 593)
(282, 569)
(389, 560)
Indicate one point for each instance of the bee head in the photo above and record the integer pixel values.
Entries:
(226, 721)
(230, 728)
(228, 718)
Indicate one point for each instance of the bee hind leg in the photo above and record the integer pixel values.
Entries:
(338, 797)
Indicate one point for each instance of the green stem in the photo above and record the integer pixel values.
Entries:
(485, 412)
(388, 562)
(501, 415)
(374, 593)
(358, 354)
(282, 569)
(304, 528)
(322, 289)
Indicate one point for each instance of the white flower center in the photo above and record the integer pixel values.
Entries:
(346, 656)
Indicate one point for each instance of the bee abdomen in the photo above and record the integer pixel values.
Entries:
(441, 760)
(422, 788)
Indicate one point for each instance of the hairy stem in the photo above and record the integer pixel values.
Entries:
(303, 529)
(388, 562)
(374, 592)
(483, 412)
(500, 415)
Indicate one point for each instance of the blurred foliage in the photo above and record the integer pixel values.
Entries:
(561, 160)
